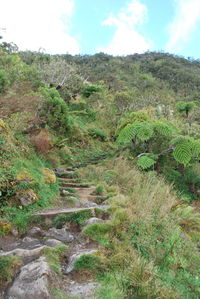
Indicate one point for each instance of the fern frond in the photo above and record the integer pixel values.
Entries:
(145, 162)
(128, 133)
(183, 153)
(195, 147)
(145, 131)
(164, 129)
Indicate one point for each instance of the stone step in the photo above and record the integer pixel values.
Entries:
(67, 175)
(71, 180)
(55, 212)
(74, 185)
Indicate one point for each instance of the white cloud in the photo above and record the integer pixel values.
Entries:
(127, 39)
(35, 24)
(186, 17)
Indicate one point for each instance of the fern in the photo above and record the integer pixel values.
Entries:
(145, 162)
(128, 133)
(145, 131)
(183, 153)
(142, 130)
(164, 129)
(195, 147)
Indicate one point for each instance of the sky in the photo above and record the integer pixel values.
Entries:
(116, 27)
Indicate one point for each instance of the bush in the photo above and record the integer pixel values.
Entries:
(55, 110)
(90, 89)
(4, 82)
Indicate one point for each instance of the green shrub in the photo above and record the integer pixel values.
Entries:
(90, 89)
(55, 110)
(4, 81)
(99, 190)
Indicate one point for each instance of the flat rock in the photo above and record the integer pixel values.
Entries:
(60, 234)
(23, 253)
(28, 242)
(90, 204)
(83, 290)
(32, 281)
(53, 242)
(93, 220)
(76, 256)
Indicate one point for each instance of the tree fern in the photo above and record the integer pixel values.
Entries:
(145, 162)
(142, 130)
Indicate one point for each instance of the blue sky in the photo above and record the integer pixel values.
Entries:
(117, 27)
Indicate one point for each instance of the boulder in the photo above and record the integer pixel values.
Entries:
(59, 234)
(27, 197)
(49, 176)
(33, 281)
(75, 257)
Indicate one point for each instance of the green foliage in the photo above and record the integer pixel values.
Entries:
(98, 231)
(87, 261)
(185, 107)
(99, 190)
(186, 150)
(4, 82)
(88, 90)
(145, 162)
(78, 218)
(8, 266)
(55, 110)
(98, 133)
(182, 153)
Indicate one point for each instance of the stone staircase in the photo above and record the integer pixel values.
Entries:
(34, 278)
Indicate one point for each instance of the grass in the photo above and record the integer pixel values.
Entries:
(8, 267)
(147, 253)
(77, 218)
(54, 257)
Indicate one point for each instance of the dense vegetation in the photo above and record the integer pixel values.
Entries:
(143, 111)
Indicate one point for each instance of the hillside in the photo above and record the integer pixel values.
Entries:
(115, 138)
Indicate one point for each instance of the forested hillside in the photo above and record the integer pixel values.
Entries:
(128, 127)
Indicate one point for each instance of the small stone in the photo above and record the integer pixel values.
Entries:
(35, 232)
(14, 232)
(27, 197)
(65, 192)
